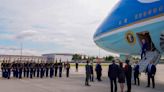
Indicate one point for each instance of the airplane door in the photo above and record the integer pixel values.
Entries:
(146, 36)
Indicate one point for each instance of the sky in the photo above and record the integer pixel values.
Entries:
(52, 26)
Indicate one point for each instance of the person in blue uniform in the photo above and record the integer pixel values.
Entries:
(20, 68)
(34, 69)
(31, 70)
(38, 69)
(17, 70)
(28, 69)
(51, 70)
(8, 70)
(41, 70)
(24, 69)
(47, 69)
(14, 69)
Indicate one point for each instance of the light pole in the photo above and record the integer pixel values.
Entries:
(21, 50)
(99, 52)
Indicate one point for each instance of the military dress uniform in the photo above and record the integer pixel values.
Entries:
(31, 70)
(2, 68)
(38, 69)
(51, 70)
(8, 70)
(56, 69)
(47, 69)
(60, 69)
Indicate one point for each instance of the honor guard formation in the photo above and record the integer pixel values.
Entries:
(25, 69)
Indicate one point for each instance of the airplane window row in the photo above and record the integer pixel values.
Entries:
(144, 14)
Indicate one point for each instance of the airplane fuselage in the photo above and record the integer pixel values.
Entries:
(125, 27)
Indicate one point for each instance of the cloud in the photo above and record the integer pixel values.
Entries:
(26, 34)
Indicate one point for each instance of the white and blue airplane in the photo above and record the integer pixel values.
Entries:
(129, 23)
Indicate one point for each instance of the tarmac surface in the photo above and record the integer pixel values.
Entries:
(75, 83)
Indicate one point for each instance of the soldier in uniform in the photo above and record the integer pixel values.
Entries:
(8, 70)
(13, 69)
(51, 70)
(31, 69)
(27, 69)
(67, 69)
(20, 70)
(24, 69)
(41, 70)
(5, 69)
(16, 70)
(38, 69)
(56, 68)
(47, 68)
(44, 69)
(34, 69)
(2, 68)
(60, 68)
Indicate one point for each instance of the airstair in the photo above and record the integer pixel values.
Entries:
(153, 56)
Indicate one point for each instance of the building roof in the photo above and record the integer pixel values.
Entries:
(58, 54)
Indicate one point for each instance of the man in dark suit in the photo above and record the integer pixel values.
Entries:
(113, 74)
(151, 70)
(128, 74)
(136, 74)
(98, 71)
(92, 73)
(77, 65)
(88, 72)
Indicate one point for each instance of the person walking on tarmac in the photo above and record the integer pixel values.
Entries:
(144, 48)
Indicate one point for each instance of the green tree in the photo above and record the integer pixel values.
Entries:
(76, 57)
(109, 58)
